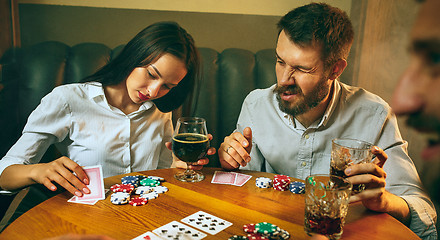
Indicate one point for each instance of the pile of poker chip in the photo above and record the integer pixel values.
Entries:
(280, 183)
(147, 187)
(262, 231)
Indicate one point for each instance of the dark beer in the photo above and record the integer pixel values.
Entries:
(190, 147)
(357, 188)
(324, 225)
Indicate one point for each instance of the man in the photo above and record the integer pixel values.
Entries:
(288, 128)
(418, 92)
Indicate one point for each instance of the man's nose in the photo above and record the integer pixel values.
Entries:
(288, 75)
(406, 97)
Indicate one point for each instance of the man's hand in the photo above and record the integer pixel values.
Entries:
(234, 151)
(196, 166)
(61, 171)
(375, 197)
(373, 176)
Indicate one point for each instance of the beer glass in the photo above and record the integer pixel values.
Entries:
(346, 152)
(190, 143)
(326, 205)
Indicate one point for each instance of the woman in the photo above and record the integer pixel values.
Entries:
(118, 118)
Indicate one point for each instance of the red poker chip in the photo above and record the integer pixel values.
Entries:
(249, 228)
(128, 188)
(256, 236)
(285, 177)
(138, 201)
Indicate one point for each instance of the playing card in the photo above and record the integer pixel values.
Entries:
(241, 179)
(88, 202)
(224, 177)
(147, 236)
(206, 222)
(177, 230)
(96, 184)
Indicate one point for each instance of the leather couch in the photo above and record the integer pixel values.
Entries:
(30, 73)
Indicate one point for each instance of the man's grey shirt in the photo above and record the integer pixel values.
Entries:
(281, 145)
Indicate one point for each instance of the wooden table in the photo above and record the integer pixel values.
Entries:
(239, 205)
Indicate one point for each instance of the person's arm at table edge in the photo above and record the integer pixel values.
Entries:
(61, 171)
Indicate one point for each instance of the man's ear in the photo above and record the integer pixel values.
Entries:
(338, 68)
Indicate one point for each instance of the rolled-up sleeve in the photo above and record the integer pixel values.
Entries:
(47, 124)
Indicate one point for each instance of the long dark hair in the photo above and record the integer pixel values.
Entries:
(146, 47)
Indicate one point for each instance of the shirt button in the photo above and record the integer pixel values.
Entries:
(126, 144)
(303, 164)
(307, 136)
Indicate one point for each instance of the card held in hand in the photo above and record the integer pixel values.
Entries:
(96, 184)
(177, 230)
(206, 222)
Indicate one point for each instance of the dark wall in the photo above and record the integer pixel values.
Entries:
(113, 27)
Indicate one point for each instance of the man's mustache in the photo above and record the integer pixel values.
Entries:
(293, 89)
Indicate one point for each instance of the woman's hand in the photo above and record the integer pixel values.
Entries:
(64, 172)
(196, 166)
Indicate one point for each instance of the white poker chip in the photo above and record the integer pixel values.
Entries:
(149, 196)
(120, 198)
(143, 190)
(263, 182)
(156, 178)
(160, 189)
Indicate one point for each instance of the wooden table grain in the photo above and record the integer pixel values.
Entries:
(239, 205)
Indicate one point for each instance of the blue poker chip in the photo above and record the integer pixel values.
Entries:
(297, 187)
(134, 180)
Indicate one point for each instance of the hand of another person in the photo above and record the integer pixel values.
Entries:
(81, 237)
(373, 176)
(234, 151)
(62, 172)
(200, 163)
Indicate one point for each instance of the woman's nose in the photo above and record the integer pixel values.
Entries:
(153, 89)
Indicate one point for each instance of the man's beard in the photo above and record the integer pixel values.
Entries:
(306, 102)
(425, 123)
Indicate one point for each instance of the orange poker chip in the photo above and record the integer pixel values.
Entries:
(127, 188)
(138, 201)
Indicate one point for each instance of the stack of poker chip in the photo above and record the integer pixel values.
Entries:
(263, 182)
(147, 187)
(281, 182)
(133, 180)
(297, 187)
(265, 230)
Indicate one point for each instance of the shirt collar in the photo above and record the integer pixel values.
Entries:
(96, 93)
(333, 102)
(330, 108)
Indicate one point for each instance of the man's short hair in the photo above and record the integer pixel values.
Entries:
(319, 24)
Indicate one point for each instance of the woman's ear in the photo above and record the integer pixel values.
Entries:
(338, 68)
